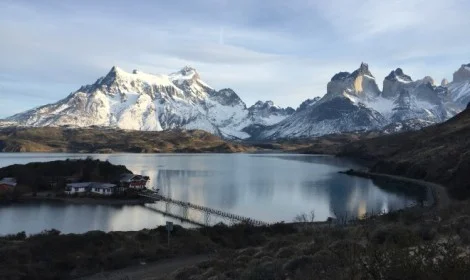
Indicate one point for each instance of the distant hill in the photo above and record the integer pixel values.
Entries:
(99, 140)
(439, 153)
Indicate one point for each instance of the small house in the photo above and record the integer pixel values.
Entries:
(103, 188)
(133, 181)
(72, 188)
(7, 184)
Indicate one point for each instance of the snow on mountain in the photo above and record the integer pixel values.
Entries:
(353, 102)
(134, 100)
(357, 86)
(341, 109)
(419, 99)
(307, 103)
(459, 88)
(334, 115)
(267, 113)
(143, 101)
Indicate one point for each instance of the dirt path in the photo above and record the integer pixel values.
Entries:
(439, 192)
(150, 271)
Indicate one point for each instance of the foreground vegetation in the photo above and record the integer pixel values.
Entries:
(99, 140)
(417, 243)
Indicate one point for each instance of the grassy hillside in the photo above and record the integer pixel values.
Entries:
(95, 140)
(440, 153)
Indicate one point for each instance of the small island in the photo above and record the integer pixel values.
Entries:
(82, 180)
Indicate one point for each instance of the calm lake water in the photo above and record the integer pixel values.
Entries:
(267, 187)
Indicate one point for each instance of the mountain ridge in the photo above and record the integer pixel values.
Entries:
(353, 102)
(142, 101)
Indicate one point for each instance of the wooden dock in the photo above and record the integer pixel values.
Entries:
(207, 210)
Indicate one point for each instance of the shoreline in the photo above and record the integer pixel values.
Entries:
(438, 192)
(83, 200)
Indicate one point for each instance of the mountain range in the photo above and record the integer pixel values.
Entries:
(353, 102)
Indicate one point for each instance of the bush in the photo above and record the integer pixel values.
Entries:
(431, 261)
(298, 263)
(185, 273)
(265, 271)
(286, 252)
(426, 232)
(394, 234)
(19, 236)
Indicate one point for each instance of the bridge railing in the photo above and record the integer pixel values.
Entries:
(235, 217)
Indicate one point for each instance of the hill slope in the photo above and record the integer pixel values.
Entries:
(93, 140)
(439, 153)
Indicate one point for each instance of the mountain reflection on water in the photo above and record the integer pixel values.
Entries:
(265, 187)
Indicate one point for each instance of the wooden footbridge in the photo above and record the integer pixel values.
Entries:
(207, 211)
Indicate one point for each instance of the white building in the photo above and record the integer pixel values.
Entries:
(72, 188)
(93, 187)
(103, 188)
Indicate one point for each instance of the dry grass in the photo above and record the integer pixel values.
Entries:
(94, 140)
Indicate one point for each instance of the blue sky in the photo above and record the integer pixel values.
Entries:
(285, 51)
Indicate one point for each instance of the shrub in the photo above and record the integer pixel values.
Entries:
(286, 252)
(298, 263)
(394, 234)
(426, 232)
(19, 236)
(264, 271)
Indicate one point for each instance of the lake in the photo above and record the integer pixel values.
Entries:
(267, 187)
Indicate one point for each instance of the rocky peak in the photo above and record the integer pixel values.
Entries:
(395, 83)
(261, 104)
(187, 75)
(462, 74)
(360, 83)
(362, 70)
(227, 97)
(258, 104)
(398, 75)
(444, 82)
(428, 80)
(268, 107)
(111, 77)
(186, 70)
(307, 103)
(340, 76)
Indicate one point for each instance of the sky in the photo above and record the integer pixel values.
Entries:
(284, 51)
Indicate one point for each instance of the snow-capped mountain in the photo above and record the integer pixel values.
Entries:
(142, 101)
(415, 100)
(267, 113)
(459, 88)
(307, 103)
(353, 102)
